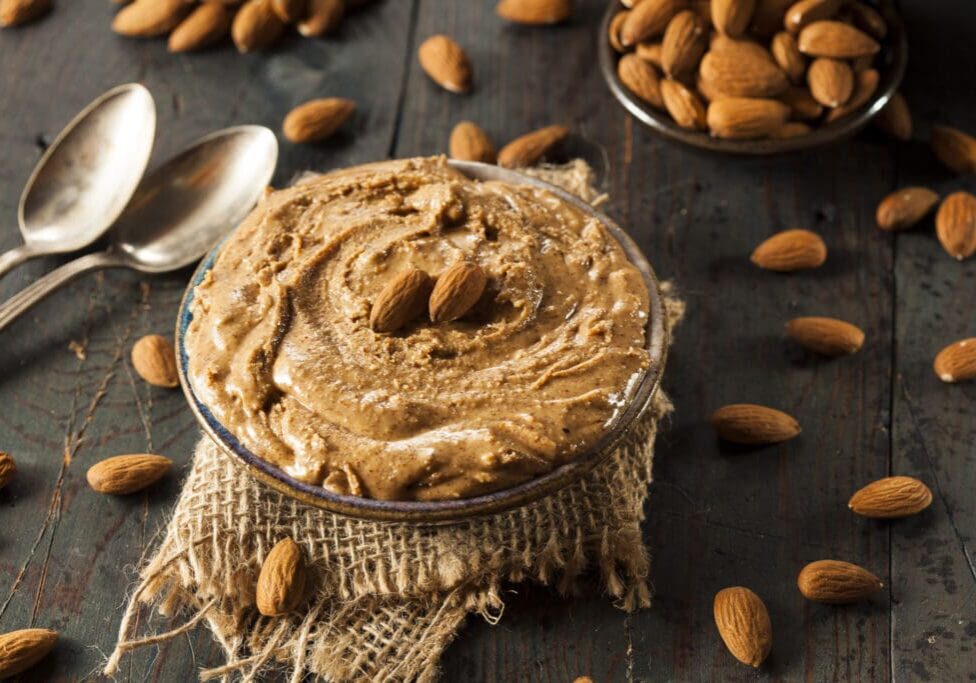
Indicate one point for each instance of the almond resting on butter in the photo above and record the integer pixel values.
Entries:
(155, 361)
(281, 583)
(790, 250)
(891, 498)
(124, 474)
(402, 300)
(743, 623)
(826, 336)
(457, 290)
(753, 425)
(837, 583)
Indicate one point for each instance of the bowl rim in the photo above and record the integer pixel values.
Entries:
(448, 511)
(895, 44)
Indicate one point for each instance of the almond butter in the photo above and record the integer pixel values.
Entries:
(613, 31)
(535, 12)
(954, 148)
(904, 208)
(790, 250)
(281, 582)
(891, 498)
(469, 142)
(17, 12)
(684, 105)
(955, 225)
(457, 290)
(895, 118)
(403, 299)
(528, 149)
(317, 120)
(155, 361)
(640, 78)
(837, 583)
(751, 424)
(255, 26)
(8, 468)
(743, 623)
(806, 12)
(741, 73)
(831, 81)
(801, 103)
(648, 19)
(868, 19)
(865, 85)
(745, 117)
(150, 18)
(321, 17)
(20, 650)
(957, 361)
(826, 336)
(732, 17)
(788, 56)
(652, 53)
(206, 25)
(124, 474)
(446, 63)
(289, 11)
(837, 40)
(684, 43)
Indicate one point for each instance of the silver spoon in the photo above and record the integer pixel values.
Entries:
(178, 213)
(87, 175)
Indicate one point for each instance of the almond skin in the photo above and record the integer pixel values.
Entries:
(745, 117)
(806, 12)
(403, 299)
(20, 650)
(891, 498)
(255, 26)
(155, 361)
(648, 19)
(206, 25)
(831, 81)
(753, 425)
(790, 250)
(732, 17)
(469, 142)
(321, 17)
(8, 468)
(535, 12)
(865, 85)
(125, 474)
(957, 362)
(743, 623)
(954, 148)
(826, 336)
(317, 120)
(528, 149)
(742, 73)
(788, 56)
(837, 583)
(837, 40)
(955, 225)
(17, 12)
(457, 290)
(150, 18)
(684, 43)
(684, 105)
(896, 118)
(904, 208)
(640, 78)
(446, 63)
(281, 582)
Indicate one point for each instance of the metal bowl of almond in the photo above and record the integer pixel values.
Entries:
(753, 76)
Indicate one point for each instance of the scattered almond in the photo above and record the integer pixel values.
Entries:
(732, 17)
(891, 498)
(743, 623)
(648, 19)
(457, 290)
(155, 361)
(206, 25)
(17, 12)
(640, 78)
(955, 225)
(684, 43)
(684, 105)
(895, 118)
(742, 73)
(826, 336)
(837, 40)
(281, 582)
(8, 468)
(535, 12)
(469, 142)
(837, 583)
(788, 56)
(317, 120)
(806, 12)
(255, 26)
(831, 81)
(528, 149)
(954, 148)
(20, 650)
(790, 250)
(446, 63)
(957, 362)
(403, 299)
(124, 474)
(904, 208)
(744, 117)
(751, 424)
(150, 18)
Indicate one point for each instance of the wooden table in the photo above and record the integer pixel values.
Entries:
(716, 517)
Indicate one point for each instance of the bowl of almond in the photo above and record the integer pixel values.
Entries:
(753, 76)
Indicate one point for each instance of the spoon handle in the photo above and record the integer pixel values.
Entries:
(13, 258)
(32, 293)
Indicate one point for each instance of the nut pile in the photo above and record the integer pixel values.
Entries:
(745, 70)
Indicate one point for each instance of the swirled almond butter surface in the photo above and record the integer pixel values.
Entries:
(282, 351)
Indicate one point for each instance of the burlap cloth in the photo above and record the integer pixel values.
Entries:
(386, 598)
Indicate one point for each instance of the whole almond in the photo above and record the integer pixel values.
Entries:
(446, 63)
(149, 18)
(955, 225)
(652, 53)
(529, 148)
(255, 26)
(17, 12)
(457, 290)
(684, 43)
(743, 623)
(957, 361)
(281, 582)
(317, 119)
(685, 107)
(954, 148)
(891, 498)
(801, 103)
(640, 78)
(155, 361)
(865, 85)
(535, 12)
(747, 47)
(206, 25)
(740, 73)
(791, 129)
(732, 17)
(753, 425)
(895, 118)
(826, 336)
(613, 31)
(831, 81)
(837, 583)
(746, 117)
(805, 12)
(124, 474)
(289, 11)
(648, 19)
(469, 142)
(788, 56)
(790, 250)
(8, 468)
(403, 299)
(20, 650)
(905, 207)
(321, 17)
(837, 40)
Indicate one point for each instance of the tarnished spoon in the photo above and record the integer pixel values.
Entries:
(178, 212)
(87, 175)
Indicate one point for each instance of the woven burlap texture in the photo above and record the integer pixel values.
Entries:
(386, 598)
